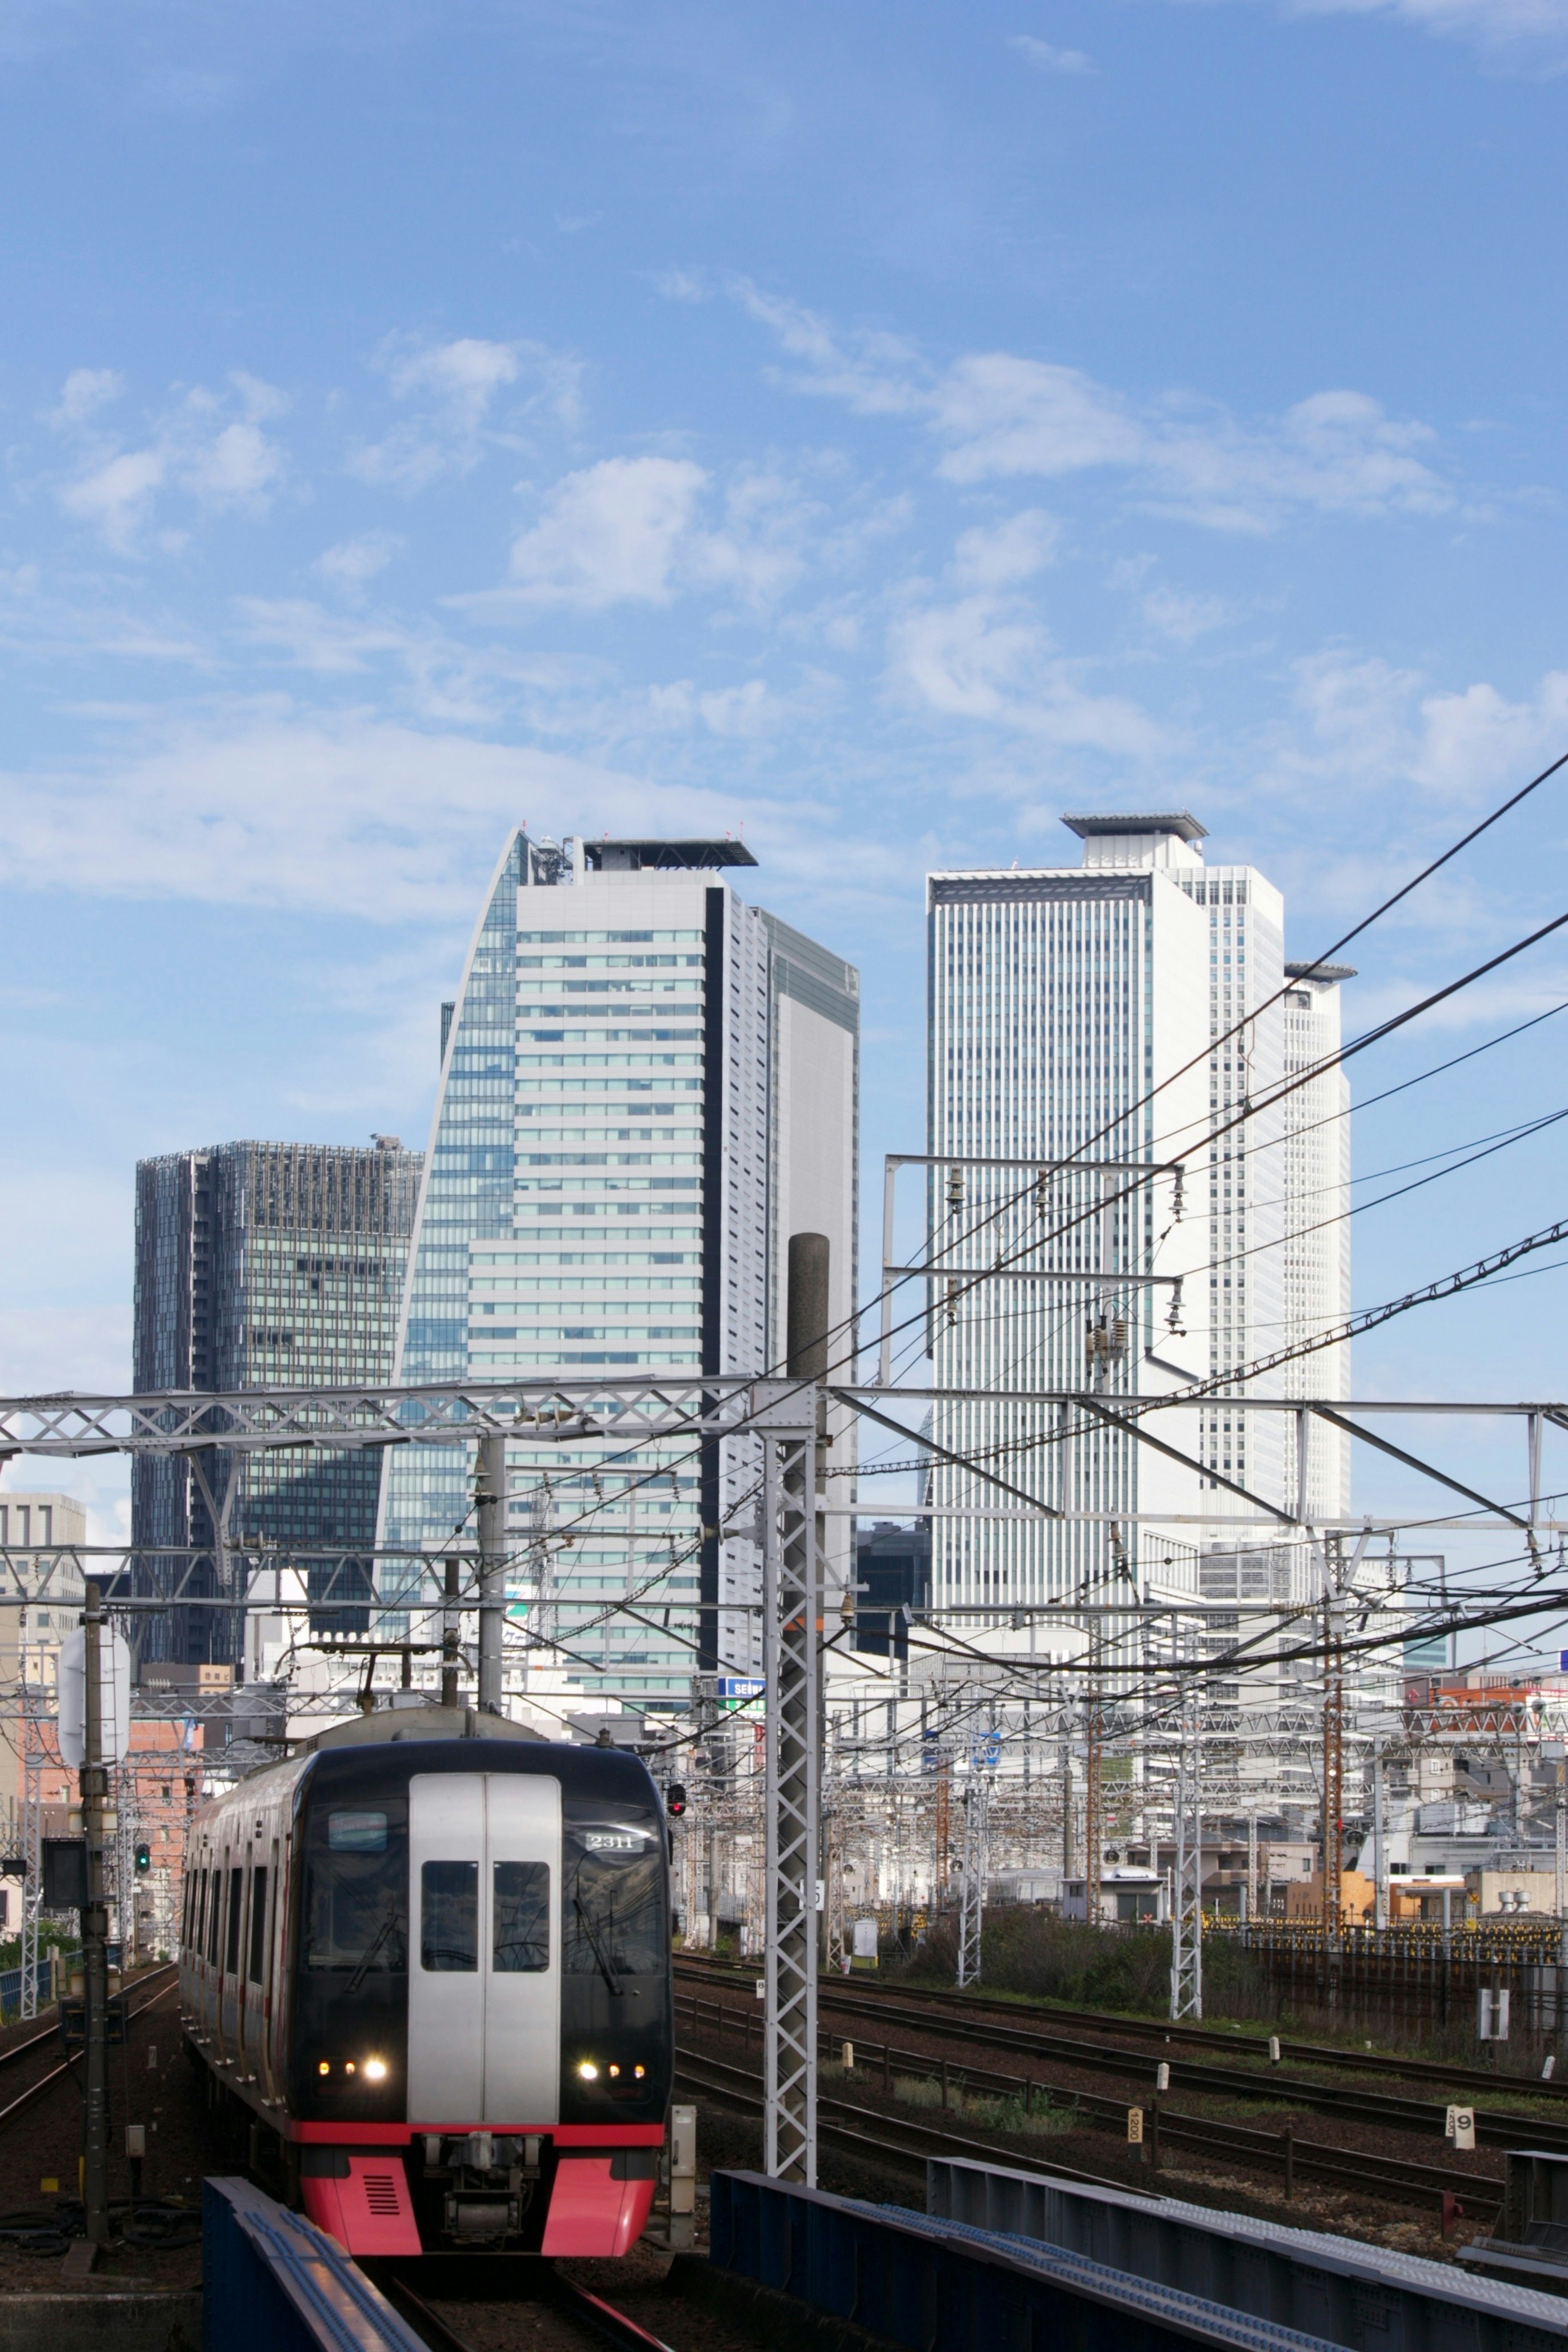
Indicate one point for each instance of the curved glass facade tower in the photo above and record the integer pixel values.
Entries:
(647, 1085)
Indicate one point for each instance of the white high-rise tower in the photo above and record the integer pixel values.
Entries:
(1085, 1013)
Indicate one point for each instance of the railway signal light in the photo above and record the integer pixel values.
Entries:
(675, 1800)
(143, 1860)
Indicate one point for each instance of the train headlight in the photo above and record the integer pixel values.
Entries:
(375, 2070)
(588, 2071)
(324, 2068)
(614, 2072)
(639, 2071)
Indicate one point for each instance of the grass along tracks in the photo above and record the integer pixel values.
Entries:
(960, 2019)
(1006, 2115)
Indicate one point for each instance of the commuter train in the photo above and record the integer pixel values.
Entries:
(438, 1969)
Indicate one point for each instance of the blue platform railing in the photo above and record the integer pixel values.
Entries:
(272, 2282)
(939, 2286)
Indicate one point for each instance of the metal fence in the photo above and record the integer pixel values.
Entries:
(1420, 1977)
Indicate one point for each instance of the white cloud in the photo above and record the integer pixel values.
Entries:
(998, 416)
(1184, 618)
(210, 446)
(353, 562)
(1521, 31)
(613, 534)
(116, 496)
(736, 711)
(1047, 60)
(1366, 726)
(453, 389)
(996, 555)
(632, 531)
(350, 816)
(981, 658)
(84, 392)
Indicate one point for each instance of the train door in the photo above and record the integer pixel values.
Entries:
(484, 1979)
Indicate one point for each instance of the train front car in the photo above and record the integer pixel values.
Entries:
(480, 2032)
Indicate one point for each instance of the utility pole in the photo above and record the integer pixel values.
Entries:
(95, 1935)
(451, 1630)
(489, 1498)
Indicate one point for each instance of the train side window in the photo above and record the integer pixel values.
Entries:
(257, 1925)
(185, 1917)
(520, 1915)
(215, 1907)
(236, 1915)
(449, 1916)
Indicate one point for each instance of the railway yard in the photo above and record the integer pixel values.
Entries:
(1351, 2141)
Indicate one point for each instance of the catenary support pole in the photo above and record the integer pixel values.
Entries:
(791, 1606)
(94, 1937)
(490, 1499)
(450, 1634)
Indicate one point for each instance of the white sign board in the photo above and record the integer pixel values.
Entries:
(114, 1686)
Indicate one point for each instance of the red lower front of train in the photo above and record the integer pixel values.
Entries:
(571, 2188)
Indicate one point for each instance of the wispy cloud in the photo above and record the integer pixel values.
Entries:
(642, 530)
(1046, 59)
(457, 394)
(997, 416)
(210, 448)
(1526, 33)
(353, 562)
(352, 818)
(983, 657)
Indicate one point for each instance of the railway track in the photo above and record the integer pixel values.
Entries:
(1236, 2045)
(903, 2138)
(1354, 2101)
(590, 2312)
(50, 2037)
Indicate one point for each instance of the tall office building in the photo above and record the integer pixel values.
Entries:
(263, 1265)
(1058, 999)
(646, 1087)
(1081, 1013)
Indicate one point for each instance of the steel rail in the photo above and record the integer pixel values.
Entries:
(1315, 2054)
(591, 2311)
(903, 2138)
(1399, 2114)
(34, 2091)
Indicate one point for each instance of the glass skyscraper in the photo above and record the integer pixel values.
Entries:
(647, 1085)
(275, 1265)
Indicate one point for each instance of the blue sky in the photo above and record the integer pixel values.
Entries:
(880, 429)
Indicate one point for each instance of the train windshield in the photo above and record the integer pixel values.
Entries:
(355, 1913)
(615, 1920)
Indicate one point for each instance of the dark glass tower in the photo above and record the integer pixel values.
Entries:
(264, 1265)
